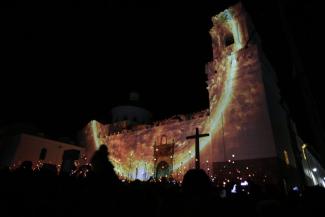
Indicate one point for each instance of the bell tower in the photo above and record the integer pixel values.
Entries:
(230, 32)
(239, 120)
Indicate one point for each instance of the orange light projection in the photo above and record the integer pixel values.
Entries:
(236, 120)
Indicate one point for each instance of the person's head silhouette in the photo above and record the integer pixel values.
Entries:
(103, 149)
(27, 165)
(196, 181)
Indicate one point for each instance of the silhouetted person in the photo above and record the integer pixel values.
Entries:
(196, 182)
(198, 193)
(101, 165)
(4, 172)
(25, 169)
(48, 170)
(163, 180)
(151, 179)
(103, 181)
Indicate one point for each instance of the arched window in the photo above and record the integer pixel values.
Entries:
(42, 154)
(163, 140)
(229, 40)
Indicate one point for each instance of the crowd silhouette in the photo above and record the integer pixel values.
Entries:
(44, 192)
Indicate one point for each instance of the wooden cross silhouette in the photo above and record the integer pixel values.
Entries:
(197, 146)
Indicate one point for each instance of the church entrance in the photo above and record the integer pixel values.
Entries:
(162, 170)
(163, 157)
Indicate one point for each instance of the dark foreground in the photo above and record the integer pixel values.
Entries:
(44, 193)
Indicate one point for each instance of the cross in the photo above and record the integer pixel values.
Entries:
(197, 146)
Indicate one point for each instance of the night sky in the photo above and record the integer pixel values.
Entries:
(61, 68)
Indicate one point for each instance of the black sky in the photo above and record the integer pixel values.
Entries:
(60, 68)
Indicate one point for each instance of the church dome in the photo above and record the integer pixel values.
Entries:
(131, 112)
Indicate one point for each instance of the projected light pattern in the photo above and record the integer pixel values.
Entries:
(237, 114)
(225, 97)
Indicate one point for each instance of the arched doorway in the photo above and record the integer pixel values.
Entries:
(162, 170)
(43, 153)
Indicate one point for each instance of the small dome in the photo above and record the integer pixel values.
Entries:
(134, 97)
(132, 114)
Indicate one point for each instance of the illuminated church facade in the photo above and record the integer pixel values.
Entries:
(249, 137)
